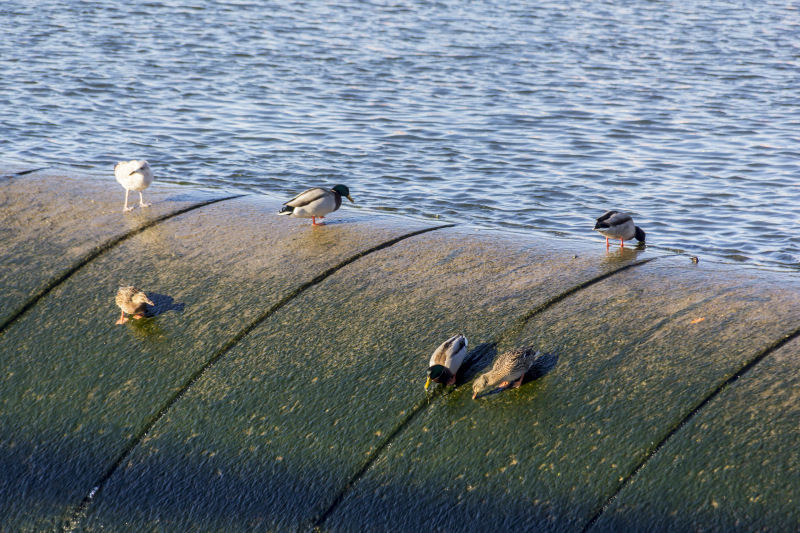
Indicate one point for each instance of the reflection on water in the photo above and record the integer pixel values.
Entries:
(530, 117)
(622, 255)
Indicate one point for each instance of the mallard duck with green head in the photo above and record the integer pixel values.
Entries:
(315, 203)
(132, 301)
(446, 360)
(507, 368)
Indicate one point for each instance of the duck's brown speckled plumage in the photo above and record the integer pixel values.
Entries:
(508, 367)
(132, 301)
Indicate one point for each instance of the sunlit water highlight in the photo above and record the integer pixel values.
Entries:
(535, 117)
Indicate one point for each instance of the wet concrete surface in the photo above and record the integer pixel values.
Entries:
(734, 467)
(633, 359)
(277, 384)
(53, 221)
(311, 394)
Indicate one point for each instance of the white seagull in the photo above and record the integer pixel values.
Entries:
(134, 176)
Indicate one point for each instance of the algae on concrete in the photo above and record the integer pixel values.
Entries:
(278, 427)
(51, 220)
(280, 384)
(77, 388)
(734, 467)
(633, 360)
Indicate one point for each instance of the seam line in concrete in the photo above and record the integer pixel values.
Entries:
(74, 517)
(316, 522)
(23, 172)
(97, 252)
(747, 367)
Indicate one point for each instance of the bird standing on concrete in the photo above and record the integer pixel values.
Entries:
(446, 360)
(510, 366)
(132, 301)
(617, 225)
(134, 176)
(316, 203)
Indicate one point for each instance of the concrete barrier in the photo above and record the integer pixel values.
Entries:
(279, 385)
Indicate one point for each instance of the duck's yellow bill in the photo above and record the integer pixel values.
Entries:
(427, 383)
(350, 198)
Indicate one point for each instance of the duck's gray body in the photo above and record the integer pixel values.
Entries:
(618, 225)
(507, 368)
(446, 360)
(316, 202)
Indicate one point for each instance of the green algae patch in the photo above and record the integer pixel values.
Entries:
(628, 359)
(735, 466)
(271, 435)
(78, 390)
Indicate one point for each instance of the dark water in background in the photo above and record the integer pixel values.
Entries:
(533, 116)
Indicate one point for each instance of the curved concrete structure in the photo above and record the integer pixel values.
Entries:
(279, 385)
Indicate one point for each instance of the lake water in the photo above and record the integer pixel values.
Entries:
(530, 116)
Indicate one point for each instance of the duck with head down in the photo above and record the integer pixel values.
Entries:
(508, 368)
(446, 360)
(617, 225)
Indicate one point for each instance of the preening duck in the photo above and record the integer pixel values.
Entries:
(315, 203)
(132, 301)
(618, 225)
(446, 360)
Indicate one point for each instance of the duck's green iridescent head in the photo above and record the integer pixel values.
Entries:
(437, 374)
(344, 191)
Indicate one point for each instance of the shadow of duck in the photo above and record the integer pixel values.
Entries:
(161, 304)
(477, 360)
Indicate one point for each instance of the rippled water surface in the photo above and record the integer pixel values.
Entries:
(534, 116)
